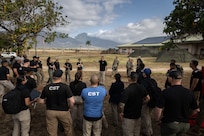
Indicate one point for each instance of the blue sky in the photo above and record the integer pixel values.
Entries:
(124, 21)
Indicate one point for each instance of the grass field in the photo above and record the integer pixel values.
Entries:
(90, 60)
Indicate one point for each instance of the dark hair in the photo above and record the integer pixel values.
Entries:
(117, 77)
(78, 76)
(48, 59)
(20, 79)
(194, 62)
(133, 76)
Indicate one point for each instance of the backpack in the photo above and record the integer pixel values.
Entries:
(11, 102)
(154, 92)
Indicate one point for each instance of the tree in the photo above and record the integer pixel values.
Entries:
(186, 18)
(88, 43)
(21, 21)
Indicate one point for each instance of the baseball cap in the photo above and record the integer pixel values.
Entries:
(26, 60)
(18, 58)
(57, 73)
(175, 74)
(147, 71)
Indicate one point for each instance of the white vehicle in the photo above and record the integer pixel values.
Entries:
(8, 54)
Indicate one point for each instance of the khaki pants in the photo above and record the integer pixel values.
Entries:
(67, 75)
(41, 73)
(52, 118)
(197, 96)
(146, 121)
(77, 115)
(114, 109)
(21, 123)
(7, 84)
(102, 77)
(89, 126)
(131, 127)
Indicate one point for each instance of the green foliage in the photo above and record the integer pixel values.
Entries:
(88, 43)
(168, 45)
(186, 18)
(24, 20)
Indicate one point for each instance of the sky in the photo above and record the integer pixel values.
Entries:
(123, 21)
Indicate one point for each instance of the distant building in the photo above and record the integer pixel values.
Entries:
(193, 44)
(152, 44)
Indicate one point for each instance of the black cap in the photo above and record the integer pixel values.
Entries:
(57, 73)
(175, 74)
(26, 60)
(4, 61)
(34, 57)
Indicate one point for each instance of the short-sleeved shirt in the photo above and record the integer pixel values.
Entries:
(4, 71)
(93, 101)
(19, 69)
(133, 97)
(177, 102)
(34, 63)
(24, 94)
(49, 64)
(198, 75)
(39, 64)
(57, 65)
(68, 66)
(56, 95)
(115, 92)
(31, 83)
(102, 64)
(79, 65)
(77, 87)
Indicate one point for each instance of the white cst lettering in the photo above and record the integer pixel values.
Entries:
(54, 88)
(93, 93)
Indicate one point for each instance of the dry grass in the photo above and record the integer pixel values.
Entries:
(90, 59)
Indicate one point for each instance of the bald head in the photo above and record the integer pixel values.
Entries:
(94, 80)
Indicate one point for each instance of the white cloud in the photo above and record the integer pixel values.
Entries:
(87, 14)
(133, 32)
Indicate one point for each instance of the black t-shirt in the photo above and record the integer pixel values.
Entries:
(24, 94)
(56, 95)
(133, 97)
(68, 65)
(33, 63)
(79, 65)
(102, 64)
(197, 74)
(50, 64)
(39, 64)
(177, 102)
(57, 65)
(19, 69)
(31, 83)
(115, 92)
(77, 87)
(3, 73)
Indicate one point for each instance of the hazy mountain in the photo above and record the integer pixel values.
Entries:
(79, 42)
(103, 43)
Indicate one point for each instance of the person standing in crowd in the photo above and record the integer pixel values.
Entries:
(196, 80)
(139, 67)
(172, 68)
(131, 104)
(93, 97)
(146, 119)
(115, 66)
(102, 68)
(175, 104)
(68, 68)
(17, 68)
(40, 69)
(23, 118)
(59, 100)
(77, 111)
(51, 68)
(129, 66)
(57, 64)
(5, 81)
(115, 93)
(34, 66)
(80, 65)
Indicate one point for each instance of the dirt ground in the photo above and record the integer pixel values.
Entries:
(38, 126)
